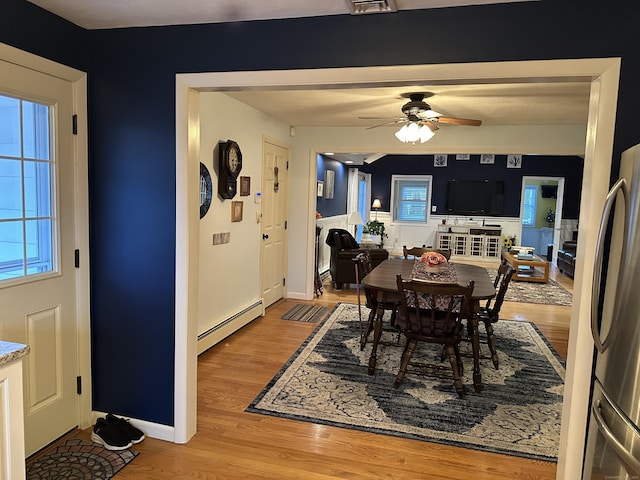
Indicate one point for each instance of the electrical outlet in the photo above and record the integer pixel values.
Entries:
(434, 209)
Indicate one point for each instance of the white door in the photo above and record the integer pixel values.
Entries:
(274, 217)
(37, 271)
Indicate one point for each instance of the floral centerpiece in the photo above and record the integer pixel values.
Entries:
(433, 261)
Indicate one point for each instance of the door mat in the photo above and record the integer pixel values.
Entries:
(304, 312)
(517, 412)
(79, 459)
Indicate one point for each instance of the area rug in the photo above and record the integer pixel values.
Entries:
(79, 460)
(517, 413)
(550, 293)
(303, 312)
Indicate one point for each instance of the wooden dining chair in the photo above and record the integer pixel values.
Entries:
(490, 312)
(416, 252)
(432, 312)
(363, 265)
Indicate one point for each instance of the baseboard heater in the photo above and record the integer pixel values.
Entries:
(225, 328)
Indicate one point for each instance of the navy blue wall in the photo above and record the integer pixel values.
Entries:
(337, 205)
(132, 134)
(552, 166)
(28, 27)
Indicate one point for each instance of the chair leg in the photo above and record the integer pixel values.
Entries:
(491, 341)
(456, 349)
(409, 348)
(457, 379)
(368, 328)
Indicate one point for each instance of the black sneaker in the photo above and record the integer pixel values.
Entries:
(109, 435)
(132, 433)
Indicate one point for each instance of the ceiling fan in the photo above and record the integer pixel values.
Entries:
(417, 111)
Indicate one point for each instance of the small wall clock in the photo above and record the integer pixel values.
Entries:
(206, 189)
(230, 164)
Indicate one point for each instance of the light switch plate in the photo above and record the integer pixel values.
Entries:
(433, 209)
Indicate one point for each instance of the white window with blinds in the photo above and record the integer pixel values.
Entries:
(410, 199)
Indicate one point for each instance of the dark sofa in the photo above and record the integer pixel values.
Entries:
(343, 249)
(567, 257)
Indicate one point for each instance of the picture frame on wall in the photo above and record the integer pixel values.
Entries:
(487, 159)
(329, 180)
(245, 186)
(514, 161)
(236, 211)
(463, 156)
(440, 160)
(320, 188)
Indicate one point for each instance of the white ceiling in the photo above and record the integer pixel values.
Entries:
(495, 104)
(96, 14)
(530, 102)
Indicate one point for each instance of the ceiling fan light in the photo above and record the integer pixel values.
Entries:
(413, 132)
(426, 134)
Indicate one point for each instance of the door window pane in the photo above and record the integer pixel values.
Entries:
(10, 189)
(529, 205)
(9, 126)
(27, 225)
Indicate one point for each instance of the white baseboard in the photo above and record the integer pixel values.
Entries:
(225, 328)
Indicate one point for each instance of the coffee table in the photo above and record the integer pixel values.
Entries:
(536, 270)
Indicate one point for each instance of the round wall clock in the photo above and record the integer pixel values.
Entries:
(230, 164)
(206, 189)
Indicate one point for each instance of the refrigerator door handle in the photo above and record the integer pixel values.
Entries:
(625, 455)
(620, 185)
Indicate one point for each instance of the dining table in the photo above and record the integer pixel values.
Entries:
(382, 279)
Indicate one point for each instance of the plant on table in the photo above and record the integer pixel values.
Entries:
(375, 228)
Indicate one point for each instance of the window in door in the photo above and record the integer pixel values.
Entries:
(529, 205)
(27, 223)
(411, 198)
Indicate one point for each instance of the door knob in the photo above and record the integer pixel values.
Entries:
(265, 236)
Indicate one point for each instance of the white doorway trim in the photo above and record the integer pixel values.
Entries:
(604, 74)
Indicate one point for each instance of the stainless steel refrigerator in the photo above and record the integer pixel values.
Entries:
(613, 439)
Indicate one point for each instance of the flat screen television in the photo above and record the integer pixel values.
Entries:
(475, 197)
(549, 191)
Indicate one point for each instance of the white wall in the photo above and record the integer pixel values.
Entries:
(229, 279)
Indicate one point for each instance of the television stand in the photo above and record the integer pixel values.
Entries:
(473, 241)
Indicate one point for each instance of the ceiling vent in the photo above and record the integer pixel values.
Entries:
(359, 7)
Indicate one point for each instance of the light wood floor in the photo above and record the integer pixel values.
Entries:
(233, 444)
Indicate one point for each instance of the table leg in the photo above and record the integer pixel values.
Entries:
(377, 333)
(475, 346)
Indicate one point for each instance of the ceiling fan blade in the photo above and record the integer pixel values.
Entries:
(428, 114)
(459, 121)
(431, 125)
(380, 118)
(391, 122)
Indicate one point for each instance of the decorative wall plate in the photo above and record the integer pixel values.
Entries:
(206, 189)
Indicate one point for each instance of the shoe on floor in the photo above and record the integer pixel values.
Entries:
(109, 435)
(132, 433)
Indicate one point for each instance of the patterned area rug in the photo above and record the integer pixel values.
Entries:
(551, 293)
(517, 413)
(303, 312)
(78, 459)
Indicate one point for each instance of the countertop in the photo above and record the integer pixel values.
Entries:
(10, 351)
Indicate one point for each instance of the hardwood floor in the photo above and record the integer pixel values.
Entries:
(233, 444)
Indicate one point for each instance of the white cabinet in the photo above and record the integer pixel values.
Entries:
(474, 242)
(11, 411)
